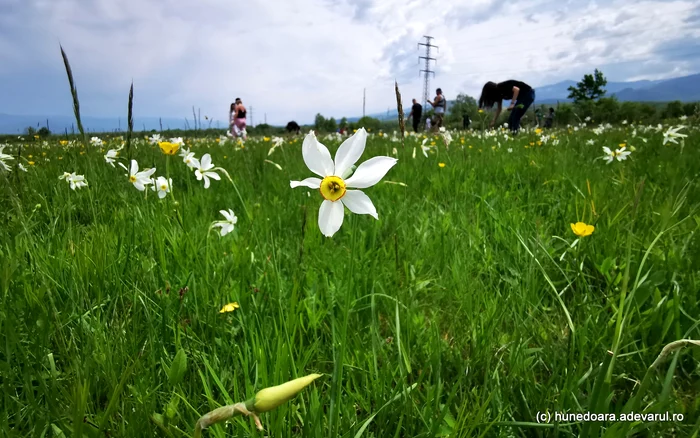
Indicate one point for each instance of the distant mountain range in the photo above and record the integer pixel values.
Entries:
(685, 89)
(17, 124)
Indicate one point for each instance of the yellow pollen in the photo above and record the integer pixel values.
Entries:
(132, 178)
(163, 187)
(332, 188)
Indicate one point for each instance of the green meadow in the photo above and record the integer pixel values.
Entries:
(470, 308)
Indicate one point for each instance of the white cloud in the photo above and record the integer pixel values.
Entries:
(294, 59)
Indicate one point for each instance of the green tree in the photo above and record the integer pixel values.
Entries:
(608, 110)
(320, 122)
(673, 109)
(592, 87)
(462, 105)
(331, 125)
(369, 123)
(343, 122)
(44, 132)
(30, 130)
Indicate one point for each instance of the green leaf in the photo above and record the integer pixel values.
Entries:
(178, 368)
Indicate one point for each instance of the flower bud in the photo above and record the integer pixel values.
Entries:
(269, 398)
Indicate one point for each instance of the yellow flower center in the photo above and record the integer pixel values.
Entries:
(332, 188)
(164, 187)
(132, 178)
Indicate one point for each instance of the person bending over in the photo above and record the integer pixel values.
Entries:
(520, 94)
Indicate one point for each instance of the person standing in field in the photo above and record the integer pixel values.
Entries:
(239, 119)
(416, 112)
(521, 96)
(466, 121)
(549, 120)
(440, 105)
(231, 119)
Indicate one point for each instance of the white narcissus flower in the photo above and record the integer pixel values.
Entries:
(177, 140)
(21, 167)
(510, 150)
(139, 179)
(227, 225)
(609, 155)
(333, 185)
(162, 186)
(190, 160)
(155, 139)
(672, 134)
(75, 181)
(111, 155)
(683, 117)
(4, 157)
(204, 170)
(622, 154)
(590, 142)
(95, 141)
(222, 139)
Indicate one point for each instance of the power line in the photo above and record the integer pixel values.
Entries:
(426, 70)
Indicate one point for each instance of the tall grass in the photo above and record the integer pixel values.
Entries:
(463, 311)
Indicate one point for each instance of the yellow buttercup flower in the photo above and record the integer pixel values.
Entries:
(622, 145)
(538, 131)
(63, 142)
(481, 111)
(230, 307)
(266, 138)
(581, 229)
(31, 163)
(441, 164)
(168, 148)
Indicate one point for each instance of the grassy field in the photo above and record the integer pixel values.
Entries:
(468, 308)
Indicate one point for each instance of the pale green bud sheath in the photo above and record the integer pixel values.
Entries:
(269, 398)
(265, 400)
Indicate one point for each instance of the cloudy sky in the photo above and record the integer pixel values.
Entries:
(291, 59)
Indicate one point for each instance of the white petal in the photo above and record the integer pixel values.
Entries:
(206, 181)
(330, 217)
(350, 151)
(225, 214)
(359, 203)
(134, 167)
(370, 172)
(161, 195)
(213, 175)
(312, 183)
(316, 156)
(205, 163)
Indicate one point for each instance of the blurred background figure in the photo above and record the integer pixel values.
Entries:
(239, 119)
(416, 112)
(549, 120)
(440, 105)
